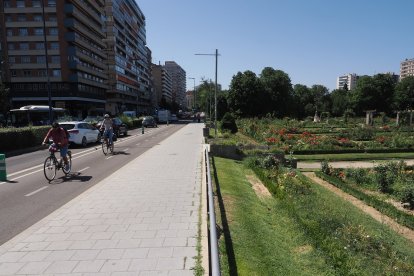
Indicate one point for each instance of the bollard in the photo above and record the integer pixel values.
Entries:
(3, 175)
(142, 129)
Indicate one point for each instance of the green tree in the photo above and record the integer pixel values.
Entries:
(302, 97)
(4, 99)
(363, 95)
(321, 97)
(245, 95)
(278, 91)
(404, 94)
(373, 93)
(340, 101)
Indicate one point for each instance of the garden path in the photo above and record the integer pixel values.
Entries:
(402, 230)
(347, 164)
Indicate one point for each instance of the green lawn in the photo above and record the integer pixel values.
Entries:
(307, 235)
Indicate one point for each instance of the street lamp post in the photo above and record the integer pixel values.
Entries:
(49, 92)
(216, 54)
(195, 102)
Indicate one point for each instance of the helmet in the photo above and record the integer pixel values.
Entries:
(55, 125)
(106, 116)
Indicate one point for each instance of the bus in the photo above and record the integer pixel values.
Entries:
(35, 115)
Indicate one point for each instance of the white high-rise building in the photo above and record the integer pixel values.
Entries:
(348, 79)
(407, 68)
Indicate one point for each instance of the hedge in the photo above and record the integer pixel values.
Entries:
(18, 138)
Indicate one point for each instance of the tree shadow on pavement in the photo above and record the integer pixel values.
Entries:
(225, 231)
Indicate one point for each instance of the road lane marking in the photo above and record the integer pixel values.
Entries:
(125, 149)
(109, 157)
(138, 144)
(13, 179)
(78, 155)
(38, 190)
(84, 169)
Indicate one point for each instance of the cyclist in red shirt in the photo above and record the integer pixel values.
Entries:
(60, 138)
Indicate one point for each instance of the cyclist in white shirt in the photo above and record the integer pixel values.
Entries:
(108, 129)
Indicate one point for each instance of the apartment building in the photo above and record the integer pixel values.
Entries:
(128, 58)
(407, 68)
(348, 79)
(162, 85)
(55, 52)
(97, 59)
(179, 82)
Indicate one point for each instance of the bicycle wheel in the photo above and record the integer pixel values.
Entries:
(105, 148)
(49, 168)
(66, 169)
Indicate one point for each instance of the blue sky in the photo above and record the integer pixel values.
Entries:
(313, 41)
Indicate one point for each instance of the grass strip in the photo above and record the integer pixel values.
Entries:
(310, 232)
(258, 237)
(382, 206)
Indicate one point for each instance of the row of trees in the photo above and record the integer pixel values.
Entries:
(272, 93)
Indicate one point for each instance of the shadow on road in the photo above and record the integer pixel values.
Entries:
(72, 177)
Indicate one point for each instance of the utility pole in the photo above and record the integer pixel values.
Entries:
(216, 54)
(49, 92)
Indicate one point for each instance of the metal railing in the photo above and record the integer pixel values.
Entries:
(213, 245)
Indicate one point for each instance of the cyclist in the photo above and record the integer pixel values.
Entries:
(60, 137)
(108, 129)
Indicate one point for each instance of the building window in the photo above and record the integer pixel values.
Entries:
(10, 46)
(52, 18)
(12, 60)
(53, 31)
(36, 4)
(13, 73)
(41, 59)
(23, 32)
(7, 3)
(21, 17)
(20, 4)
(8, 18)
(55, 59)
(25, 59)
(42, 73)
(51, 3)
(24, 46)
(54, 45)
(9, 32)
(38, 31)
(37, 17)
(40, 45)
(56, 72)
(27, 73)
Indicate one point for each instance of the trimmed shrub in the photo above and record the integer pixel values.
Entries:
(18, 138)
(228, 123)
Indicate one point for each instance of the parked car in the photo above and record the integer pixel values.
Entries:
(174, 118)
(81, 133)
(149, 121)
(118, 126)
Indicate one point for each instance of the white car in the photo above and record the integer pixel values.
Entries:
(81, 133)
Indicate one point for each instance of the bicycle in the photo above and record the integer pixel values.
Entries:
(105, 146)
(52, 164)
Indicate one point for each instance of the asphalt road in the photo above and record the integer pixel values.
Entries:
(28, 197)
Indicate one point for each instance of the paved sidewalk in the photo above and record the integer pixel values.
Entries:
(141, 220)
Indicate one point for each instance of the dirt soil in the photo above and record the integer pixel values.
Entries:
(258, 187)
(402, 230)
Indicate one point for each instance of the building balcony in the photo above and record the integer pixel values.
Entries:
(95, 22)
(71, 23)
